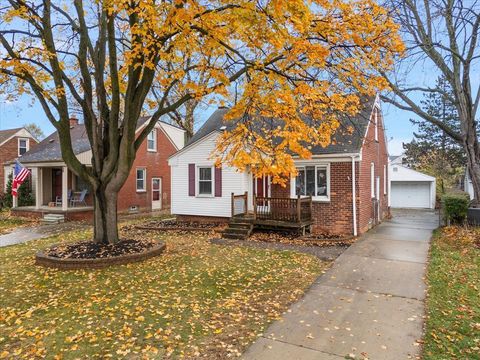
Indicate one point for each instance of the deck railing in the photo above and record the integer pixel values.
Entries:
(239, 204)
(290, 210)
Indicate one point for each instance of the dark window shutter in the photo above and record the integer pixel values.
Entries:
(218, 181)
(191, 179)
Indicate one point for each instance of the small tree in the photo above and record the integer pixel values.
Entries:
(24, 191)
(35, 130)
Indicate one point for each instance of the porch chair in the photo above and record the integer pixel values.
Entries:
(58, 199)
(80, 199)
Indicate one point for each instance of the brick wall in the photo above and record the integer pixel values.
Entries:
(9, 152)
(336, 215)
(376, 152)
(157, 166)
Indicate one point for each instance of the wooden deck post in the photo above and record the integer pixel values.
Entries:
(233, 204)
(299, 209)
(254, 207)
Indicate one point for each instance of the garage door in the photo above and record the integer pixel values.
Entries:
(411, 194)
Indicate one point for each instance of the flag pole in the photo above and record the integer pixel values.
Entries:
(14, 201)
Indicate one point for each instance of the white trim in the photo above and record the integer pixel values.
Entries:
(384, 179)
(197, 180)
(144, 179)
(375, 116)
(372, 179)
(159, 201)
(27, 145)
(154, 132)
(315, 197)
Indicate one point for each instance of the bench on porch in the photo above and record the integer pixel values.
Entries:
(269, 212)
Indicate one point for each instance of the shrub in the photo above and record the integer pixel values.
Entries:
(456, 207)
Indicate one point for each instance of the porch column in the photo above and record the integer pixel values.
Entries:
(64, 188)
(38, 188)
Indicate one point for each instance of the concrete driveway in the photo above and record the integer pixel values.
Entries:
(368, 305)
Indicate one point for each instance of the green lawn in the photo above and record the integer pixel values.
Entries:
(8, 223)
(196, 298)
(453, 305)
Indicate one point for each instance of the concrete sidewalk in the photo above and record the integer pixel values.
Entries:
(28, 233)
(368, 305)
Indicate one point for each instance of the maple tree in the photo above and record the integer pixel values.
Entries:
(295, 58)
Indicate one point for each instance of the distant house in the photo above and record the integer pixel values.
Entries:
(56, 187)
(347, 180)
(13, 144)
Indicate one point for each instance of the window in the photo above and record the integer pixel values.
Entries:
(313, 181)
(152, 140)
(384, 179)
(372, 179)
(376, 124)
(205, 181)
(22, 146)
(141, 176)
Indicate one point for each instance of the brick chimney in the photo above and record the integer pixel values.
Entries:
(73, 120)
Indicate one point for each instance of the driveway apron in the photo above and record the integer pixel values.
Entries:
(370, 304)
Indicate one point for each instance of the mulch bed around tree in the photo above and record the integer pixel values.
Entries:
(180, 225)
(292, 238)
(92, 250)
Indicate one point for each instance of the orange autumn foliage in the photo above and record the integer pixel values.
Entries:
(291, 60)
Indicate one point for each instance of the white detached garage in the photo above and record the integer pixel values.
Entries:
(410, 188)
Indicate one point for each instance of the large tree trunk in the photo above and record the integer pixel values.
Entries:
(472, 152)
(105, 216)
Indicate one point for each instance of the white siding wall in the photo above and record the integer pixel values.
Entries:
(232, 181)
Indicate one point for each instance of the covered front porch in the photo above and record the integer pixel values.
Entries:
(56, 191)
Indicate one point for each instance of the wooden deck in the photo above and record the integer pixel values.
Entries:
(274, 212)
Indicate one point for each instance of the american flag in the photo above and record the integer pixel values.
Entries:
(20, 174)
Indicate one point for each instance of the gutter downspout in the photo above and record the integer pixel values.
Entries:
(354, 198)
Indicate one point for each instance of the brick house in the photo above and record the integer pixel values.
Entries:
(13, 144)
(353, 166)
(54, 185)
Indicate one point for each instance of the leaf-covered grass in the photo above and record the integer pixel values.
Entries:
(8, 223)
(195, 300)
(453, 305)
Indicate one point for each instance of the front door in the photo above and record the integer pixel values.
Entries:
(261, 188)
(156, 193)
(56, 184)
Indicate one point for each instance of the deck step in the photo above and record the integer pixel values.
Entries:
(238, 228)
(227, 235)
(53, 218)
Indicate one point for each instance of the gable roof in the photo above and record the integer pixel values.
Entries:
(49, 148)
(343, 141)
(8, 133)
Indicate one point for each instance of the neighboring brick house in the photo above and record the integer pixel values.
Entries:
(146, 188)
(13, 144)
(203, 192)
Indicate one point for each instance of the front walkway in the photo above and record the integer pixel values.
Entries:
(370, 304)
(28, 233)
